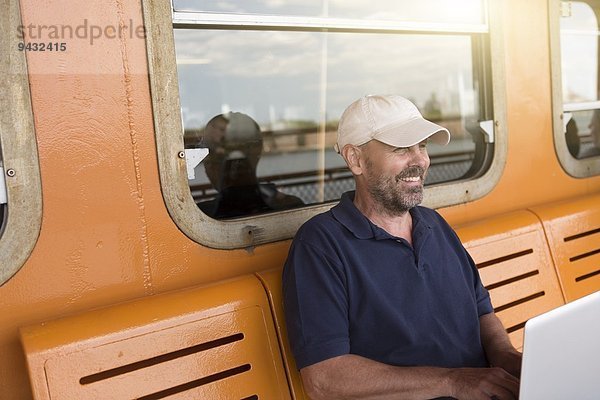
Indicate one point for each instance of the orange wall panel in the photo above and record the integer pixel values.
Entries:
(106, 235)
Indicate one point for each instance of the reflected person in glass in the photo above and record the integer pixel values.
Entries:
(235, 146)
(572, 138)
(595, 130)
(381, 299)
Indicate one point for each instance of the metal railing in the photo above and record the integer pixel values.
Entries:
(315, 187)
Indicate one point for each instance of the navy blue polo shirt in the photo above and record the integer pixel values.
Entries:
(352, 288)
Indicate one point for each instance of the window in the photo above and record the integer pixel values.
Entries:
(577, 125)
(461, 12)
(282, 73)
(20, 189)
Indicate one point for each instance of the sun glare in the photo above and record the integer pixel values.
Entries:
(460, 11)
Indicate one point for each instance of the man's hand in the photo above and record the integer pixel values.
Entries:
(483, 384)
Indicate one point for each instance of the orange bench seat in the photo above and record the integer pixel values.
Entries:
(229, 340)
(215, 342)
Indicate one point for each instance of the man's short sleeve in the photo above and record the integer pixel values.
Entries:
(316, 304)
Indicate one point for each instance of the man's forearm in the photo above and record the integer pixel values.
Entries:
(354, 377)
(496, 343)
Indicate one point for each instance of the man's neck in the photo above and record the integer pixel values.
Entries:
(399, 225)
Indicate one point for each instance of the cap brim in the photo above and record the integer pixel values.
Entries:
(413, 132)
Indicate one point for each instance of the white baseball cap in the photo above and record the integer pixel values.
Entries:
(391, 119)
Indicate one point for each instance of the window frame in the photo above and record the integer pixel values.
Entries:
(19, 152)
(577, 168)
(250, 231)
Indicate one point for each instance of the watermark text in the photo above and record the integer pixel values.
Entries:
(85, 30)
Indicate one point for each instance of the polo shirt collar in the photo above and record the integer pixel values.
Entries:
(346, 213)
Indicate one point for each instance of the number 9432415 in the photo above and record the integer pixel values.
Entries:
(42, 46)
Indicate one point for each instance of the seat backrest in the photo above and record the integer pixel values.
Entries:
(216, 342)
(515, 266)
(272, 282)
(573, 231)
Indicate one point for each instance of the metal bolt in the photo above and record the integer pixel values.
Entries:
(181, 154)
(10, 172)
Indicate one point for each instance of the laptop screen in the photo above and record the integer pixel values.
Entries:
(561, 353)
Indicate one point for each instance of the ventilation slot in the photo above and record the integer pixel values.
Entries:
(516, 284)
(199, 382)
(583, 234)
(584, 248)
(516, 327)
(512, 280)
(520, 301)
(584, 255)
(111, 373)
(504, 258)
(587, 276)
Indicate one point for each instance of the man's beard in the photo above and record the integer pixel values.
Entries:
(386, 192)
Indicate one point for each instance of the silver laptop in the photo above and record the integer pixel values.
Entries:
(561, 353)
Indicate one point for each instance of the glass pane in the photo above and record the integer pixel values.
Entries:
(579, 59)
(579, 54)
(295, 85)
(583, 133)
(444, 11)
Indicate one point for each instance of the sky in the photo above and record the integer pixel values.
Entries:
(579, 54)
(277, 76)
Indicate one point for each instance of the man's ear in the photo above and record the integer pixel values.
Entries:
(353, 155)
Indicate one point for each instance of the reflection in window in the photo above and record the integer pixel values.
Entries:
(579, 58)
(296, 84)
(235, 146)
(582, 133)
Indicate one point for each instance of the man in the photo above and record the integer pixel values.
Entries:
(382, 301)
(235, 145)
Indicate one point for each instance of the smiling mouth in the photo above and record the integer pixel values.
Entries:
(413, 174)
(411, 179)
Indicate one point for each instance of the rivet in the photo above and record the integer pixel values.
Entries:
(10, 172)
(181, 154)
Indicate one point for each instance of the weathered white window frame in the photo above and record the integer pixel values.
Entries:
(578, 168)
(253, 230)
(19, 150)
